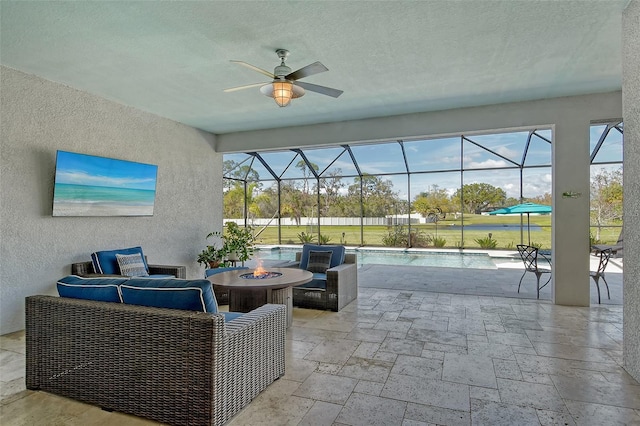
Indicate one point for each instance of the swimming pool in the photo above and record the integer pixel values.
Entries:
(453, 259)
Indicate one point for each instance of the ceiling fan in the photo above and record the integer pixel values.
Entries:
(285, 85)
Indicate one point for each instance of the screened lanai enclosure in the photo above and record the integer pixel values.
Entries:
(434, 192)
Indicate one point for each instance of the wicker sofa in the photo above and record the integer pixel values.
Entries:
(85, 269)
(173, 366)
(105, 262)
(331, 291)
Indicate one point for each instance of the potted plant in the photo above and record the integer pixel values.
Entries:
(211, 256)
(237, 242)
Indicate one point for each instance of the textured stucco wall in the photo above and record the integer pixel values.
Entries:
(515, 115)
(39, 117)
(631, 114)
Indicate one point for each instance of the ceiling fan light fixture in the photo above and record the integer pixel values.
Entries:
(282, 92)
(277, 92)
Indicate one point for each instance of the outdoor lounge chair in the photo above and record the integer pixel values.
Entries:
(616, 249)
(530, 255)
(105, 263)
(332, 290)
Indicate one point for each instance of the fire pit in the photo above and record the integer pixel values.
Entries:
(250, 289)
(260, 276)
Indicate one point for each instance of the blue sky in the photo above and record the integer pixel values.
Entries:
(82, 169)
(444, 154)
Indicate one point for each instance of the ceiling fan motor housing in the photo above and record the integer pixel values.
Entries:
(281, 71)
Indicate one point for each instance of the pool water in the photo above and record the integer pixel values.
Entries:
(410, 258)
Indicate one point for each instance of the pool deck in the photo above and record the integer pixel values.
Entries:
(420, 346)
(499, 282)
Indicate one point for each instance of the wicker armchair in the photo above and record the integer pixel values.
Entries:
(84, 269)
(341, 287)
(173, 366)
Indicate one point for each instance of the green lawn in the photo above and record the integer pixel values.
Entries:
(373, 235)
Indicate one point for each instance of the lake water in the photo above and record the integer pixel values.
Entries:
(493, 227)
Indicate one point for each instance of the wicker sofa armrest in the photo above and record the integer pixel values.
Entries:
(82, 268)
(342, 285)
(350, 258)
(176, 271)
(255, 350)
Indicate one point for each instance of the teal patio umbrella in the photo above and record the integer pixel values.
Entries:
(524, 208)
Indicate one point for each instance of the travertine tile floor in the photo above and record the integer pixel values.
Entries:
(412, 357)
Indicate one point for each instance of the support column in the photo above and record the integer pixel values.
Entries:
(570, 217)
(631, 232)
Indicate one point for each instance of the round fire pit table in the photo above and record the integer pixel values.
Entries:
(247, 292)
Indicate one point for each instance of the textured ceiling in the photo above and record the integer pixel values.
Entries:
(395, 57)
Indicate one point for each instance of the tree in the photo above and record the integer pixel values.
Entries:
(431, 200)
(304, 203)
(265, 204)
(377, 196)
(234, 199)
(606, 198)
(330, 187)
(307, 174)
(477, 197)
(234, 172)
(545, 199)
(293, 201)
(511, 201)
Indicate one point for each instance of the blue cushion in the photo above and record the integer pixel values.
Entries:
(101, 289)
(318, 281)
(105, 262)
(209, 272)
(337, 258)
(190, 295)
(132, 265)
(319, 261)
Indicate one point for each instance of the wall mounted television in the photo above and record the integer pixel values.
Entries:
(87, 185)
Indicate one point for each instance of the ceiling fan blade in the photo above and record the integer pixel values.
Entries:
(246, 86)
(311, 69)
(253, 67)
(319, 89)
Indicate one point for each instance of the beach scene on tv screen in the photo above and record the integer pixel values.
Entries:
(86, 185)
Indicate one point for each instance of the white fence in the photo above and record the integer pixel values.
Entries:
(330, 221)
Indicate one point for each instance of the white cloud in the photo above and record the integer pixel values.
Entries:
(83, 178)
(489, 163)
(506, 152)
(449, 160)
